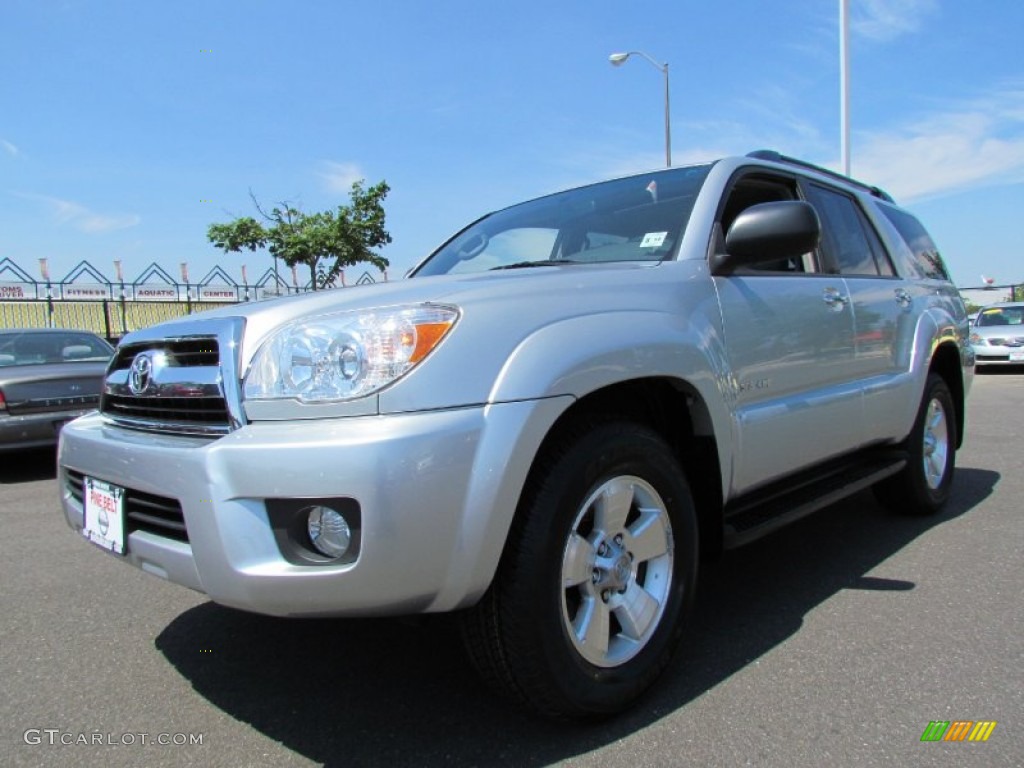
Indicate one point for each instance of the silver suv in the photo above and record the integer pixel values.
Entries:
(569, 401)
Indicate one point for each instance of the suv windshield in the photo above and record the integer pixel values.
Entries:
(640, 218)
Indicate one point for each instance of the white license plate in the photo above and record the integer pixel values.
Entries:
(104, 515)
(1017, 356)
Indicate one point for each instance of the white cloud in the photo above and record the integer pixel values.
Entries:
(339, 177)
(9, 148)
(68, 212)
(885, 20)
(960, 146)
(973, 144)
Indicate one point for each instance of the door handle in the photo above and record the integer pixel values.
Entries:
(834, 299)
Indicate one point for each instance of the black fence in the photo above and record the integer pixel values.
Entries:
(86, 299)
(110, 319)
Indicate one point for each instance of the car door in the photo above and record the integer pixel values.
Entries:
(882, 307)
(789, 334)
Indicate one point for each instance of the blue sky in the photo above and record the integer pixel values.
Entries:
(126, 128)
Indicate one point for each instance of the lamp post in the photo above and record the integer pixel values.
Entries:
(844, 86)
(617, 60)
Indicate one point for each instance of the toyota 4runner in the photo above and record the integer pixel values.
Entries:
(544, 428)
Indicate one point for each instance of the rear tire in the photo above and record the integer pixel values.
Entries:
(924, 485)
(597, 576)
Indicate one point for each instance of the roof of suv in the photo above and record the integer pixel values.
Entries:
(776, 157)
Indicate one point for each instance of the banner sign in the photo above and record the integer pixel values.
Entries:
(17, 291)
(85, 291)
(155, 292)
(217, 293)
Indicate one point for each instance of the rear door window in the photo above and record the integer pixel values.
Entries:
(851, 241)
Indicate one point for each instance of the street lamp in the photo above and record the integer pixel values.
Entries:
(618, 59)
(844, 86)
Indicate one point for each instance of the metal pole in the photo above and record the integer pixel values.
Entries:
(617, 59)
(844, 86)
(668, 127)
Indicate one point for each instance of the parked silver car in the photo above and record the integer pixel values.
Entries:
(47, 378)
(544, 426)
(997, 335)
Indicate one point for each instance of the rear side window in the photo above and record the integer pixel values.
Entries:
(925, 252)
(854, 245)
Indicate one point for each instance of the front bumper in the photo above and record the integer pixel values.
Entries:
(988, 354)
(436, 492)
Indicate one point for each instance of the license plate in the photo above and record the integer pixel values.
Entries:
(1017, 356)
(104, 515)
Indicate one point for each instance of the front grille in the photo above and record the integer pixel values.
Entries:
(181, 391)
(999, 341)
(147, 512)
(170, 410)
(182, 353)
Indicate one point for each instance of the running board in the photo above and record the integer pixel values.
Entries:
(764, 511)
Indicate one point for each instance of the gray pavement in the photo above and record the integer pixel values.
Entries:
(833, 642)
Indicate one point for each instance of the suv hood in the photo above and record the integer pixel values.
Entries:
(532, 294)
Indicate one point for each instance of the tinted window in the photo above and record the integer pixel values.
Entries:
(926, 254)
(751, 190)
(846, 233)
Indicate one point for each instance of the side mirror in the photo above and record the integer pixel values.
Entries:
(767, 232)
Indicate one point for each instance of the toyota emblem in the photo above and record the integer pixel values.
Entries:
(140, 374)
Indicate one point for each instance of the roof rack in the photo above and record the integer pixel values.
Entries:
(777, 157)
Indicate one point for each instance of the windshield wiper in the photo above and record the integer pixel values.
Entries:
(541, 263)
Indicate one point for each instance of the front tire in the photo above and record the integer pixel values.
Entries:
(597, 576)
(925, 484)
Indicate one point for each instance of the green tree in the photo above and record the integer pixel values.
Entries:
(326, 241)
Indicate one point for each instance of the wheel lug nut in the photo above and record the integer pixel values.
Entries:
(595, 576)
(605, 595)
(618, 539)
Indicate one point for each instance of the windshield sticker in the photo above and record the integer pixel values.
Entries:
(653, 239)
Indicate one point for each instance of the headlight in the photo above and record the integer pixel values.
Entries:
(346, 355)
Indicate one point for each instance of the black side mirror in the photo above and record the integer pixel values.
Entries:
(766, 232)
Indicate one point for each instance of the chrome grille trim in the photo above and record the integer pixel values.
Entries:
(193, 388)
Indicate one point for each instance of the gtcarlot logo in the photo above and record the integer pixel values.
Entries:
(55, 737)
(958, 730)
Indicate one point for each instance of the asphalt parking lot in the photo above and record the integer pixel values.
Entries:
(833, 642)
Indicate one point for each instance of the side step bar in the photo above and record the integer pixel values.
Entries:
(764, 511)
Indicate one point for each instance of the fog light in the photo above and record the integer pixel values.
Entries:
(329, 531)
